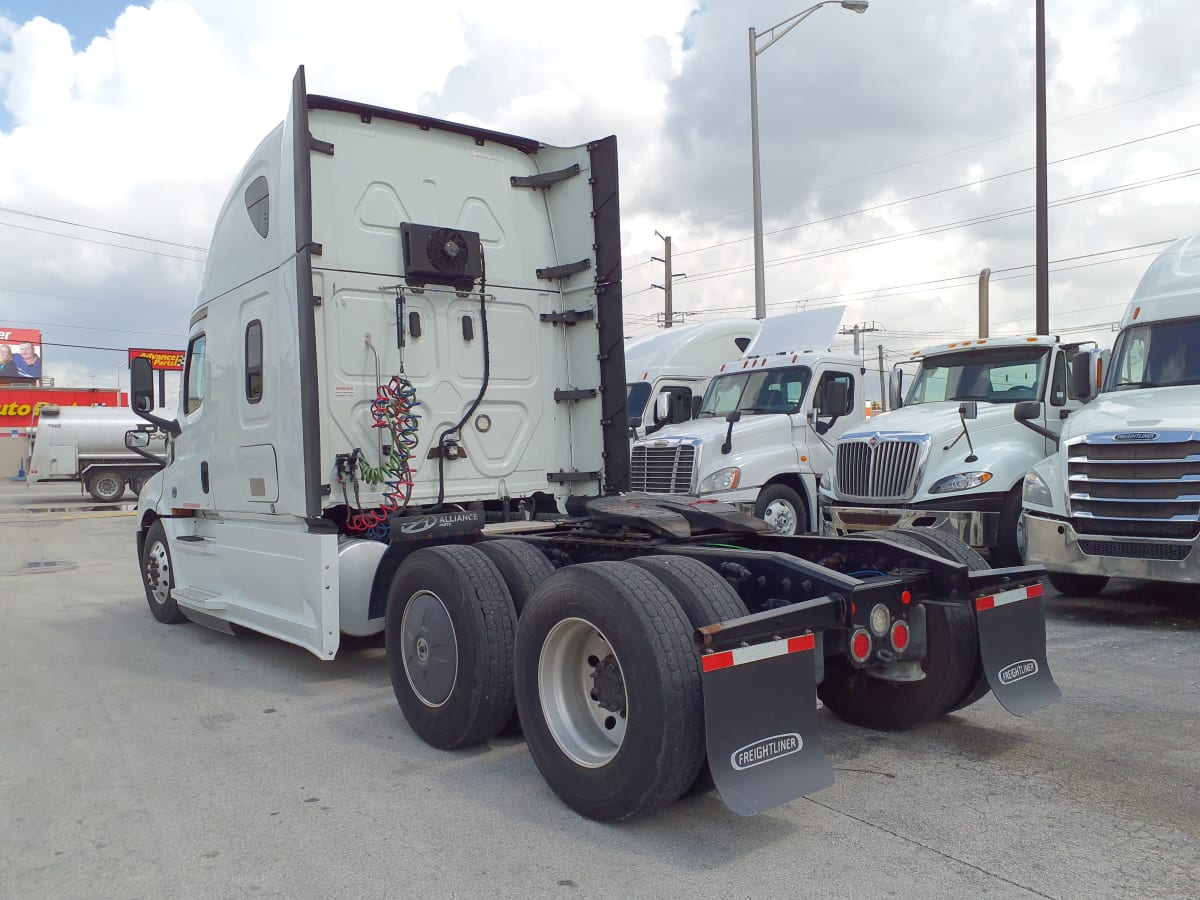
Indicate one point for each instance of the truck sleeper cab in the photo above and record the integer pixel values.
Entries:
(366, 402)
(951, 455)
(1121, 498)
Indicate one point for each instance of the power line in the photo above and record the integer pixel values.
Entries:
(94, 328)
(72, 237)
(93, 300)
(140, 237)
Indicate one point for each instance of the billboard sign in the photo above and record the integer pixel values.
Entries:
(160, 360)
(20, 354)
(19, 407)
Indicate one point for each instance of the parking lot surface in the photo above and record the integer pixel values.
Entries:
(143, 760)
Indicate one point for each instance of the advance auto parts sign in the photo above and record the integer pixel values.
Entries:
(19, 407)
(160, 360)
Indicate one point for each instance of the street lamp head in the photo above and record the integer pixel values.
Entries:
(858, 6)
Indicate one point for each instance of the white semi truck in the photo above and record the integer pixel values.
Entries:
(367, 401)
(766, 429)
(87, 445)
(679, 362)
(949, 455)
(1121, 497)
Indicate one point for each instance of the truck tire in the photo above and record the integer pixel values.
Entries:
(783, 509)
(158, 576)
(1010, 544)
(1074, 585)
(949, 665)
(704, 596)
(598, 641)
(106, 485)
(449, 632)
(522, 566)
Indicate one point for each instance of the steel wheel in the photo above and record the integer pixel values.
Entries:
(158, 572)
(582, 692)
(781, 516)
(106, 486)
(429, 648)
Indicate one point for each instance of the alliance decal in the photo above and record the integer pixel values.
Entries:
(766, 750)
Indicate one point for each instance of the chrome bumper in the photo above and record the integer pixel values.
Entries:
(979, 529)
(1055, 544)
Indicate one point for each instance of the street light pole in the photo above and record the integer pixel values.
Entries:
(760, 287)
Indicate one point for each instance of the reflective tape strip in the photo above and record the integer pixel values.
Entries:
(1025, 593)
(739, 655)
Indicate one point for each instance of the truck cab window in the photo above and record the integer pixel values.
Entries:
(1061, 381)
(194, 376)
(844, 377)
(258, 205)
(254, 361)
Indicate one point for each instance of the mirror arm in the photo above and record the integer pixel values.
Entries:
(170, 426)
(1044, 432)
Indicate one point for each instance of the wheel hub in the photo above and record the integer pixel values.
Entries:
(609, 687)
(429, 648)
(781, 517)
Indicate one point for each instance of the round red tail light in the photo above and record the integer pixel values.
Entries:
(860, 645)
(900, 636)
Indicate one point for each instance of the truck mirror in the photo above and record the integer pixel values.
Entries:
(141, 381)
(896, 389)
(662, 408)
(1081, 375)
(835, 400)
(969, 409)
(1027, 410)
(697, 402)
(635, 422)
(136, 439)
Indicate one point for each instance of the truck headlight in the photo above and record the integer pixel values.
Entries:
(826, 482)
(721, 480)
(963, 481)
(1035, 490)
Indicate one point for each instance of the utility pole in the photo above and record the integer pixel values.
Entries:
(859, 330)
(668, 277)
(1042, 294)
(882, 386)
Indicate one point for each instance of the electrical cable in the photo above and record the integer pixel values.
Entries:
(139, 237)
(393, 409)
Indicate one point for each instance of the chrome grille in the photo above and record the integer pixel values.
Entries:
(1136, 550)
(885, 471)
(1136, 488)
(662, 470)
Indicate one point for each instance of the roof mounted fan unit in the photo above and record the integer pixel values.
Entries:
(438, 255)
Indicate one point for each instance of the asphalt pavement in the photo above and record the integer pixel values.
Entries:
(143, 760)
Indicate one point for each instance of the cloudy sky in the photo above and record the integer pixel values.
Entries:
(896, 147)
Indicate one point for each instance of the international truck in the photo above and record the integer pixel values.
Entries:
(406, 328)
(949, 455)
(766, 428)
(679, 363)
(87, 445)
(1121, 497)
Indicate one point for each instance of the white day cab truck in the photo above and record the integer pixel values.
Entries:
(679, 363)
(766, 428)
(86, 444)
(406, 327)
(950, 455)
(1121, 497)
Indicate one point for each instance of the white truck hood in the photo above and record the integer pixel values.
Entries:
(758, 441)
(1155, 408)
(939, 420)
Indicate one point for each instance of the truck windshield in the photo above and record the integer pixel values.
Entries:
(761, 391)
(1157, 354)
(994, 375)
(636, 395)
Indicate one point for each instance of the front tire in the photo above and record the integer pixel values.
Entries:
(1073, 585)
(106, 486)
(1010, 546)
(158, 576)
(783, 509)
(449, 634)
(608, 690)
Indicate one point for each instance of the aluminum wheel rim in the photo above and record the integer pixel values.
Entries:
(109, 486)
(158, 572)
(585, 731)
(780, 515)
(429, 648)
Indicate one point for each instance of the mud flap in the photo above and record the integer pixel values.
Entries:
(1012, 645)
(760, 716)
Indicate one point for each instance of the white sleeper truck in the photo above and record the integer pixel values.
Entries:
(87, 444)
(766, 428)
(950, 455)
(1121, 497)
(679, 362)
(407, 328)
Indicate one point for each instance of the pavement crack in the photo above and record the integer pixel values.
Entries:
(942, 853)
